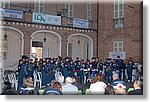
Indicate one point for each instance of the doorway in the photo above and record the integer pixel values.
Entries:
(37, 50)
(49, 43)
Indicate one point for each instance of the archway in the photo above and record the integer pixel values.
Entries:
(15, 47)
(80, 45)
(50, 47)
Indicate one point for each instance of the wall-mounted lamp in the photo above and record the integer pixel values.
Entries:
(5, 44)
(62, 13)
(44, 38)
(78, 39)
(59, 13)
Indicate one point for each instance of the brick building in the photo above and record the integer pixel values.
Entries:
(71, 29)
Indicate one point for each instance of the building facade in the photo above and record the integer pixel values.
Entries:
(43, 29)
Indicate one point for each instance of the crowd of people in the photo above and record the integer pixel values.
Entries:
(110, 77)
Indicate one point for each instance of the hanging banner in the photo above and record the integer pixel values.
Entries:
(80, 23)
(114, 55)
(11, 13)
(46, 19)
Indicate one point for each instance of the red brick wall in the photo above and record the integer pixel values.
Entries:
(130, 34)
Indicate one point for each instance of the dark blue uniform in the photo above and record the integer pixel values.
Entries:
(71, 69)
(30, 69)
(80, 73)
(25, 66)
(21, 75)
(52, 69)
(66, 69)
(45, 72)
(129, 70)
(100, 67)
(112, 68)
(87, 73)
(119, 66)
(107, 71)
(123, 71)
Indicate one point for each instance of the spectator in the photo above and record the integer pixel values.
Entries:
(109, 90)
(76, 82)
(55, 89)
(27, 87)
(137, 88)
(8, 89)
(117, 83)
(120, 92)
(97, 86)
(69, 88)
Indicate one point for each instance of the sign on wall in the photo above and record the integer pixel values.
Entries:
(80, 23)
(114, 55)
(46, 19)
(11, 13)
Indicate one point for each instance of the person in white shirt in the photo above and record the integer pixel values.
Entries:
(69, 88)
(97, 85)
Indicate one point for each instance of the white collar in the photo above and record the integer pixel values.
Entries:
(137, 88)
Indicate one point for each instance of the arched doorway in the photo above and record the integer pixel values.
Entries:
(80, 45)
(14, 48)
(45, 43)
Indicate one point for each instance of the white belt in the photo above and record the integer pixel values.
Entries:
(95, 70)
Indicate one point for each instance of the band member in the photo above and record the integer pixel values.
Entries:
(66, 68)
(119, 66)
(107, 69)
(87, 70)
(100, 67)
(80, 69)
(71, 68)
(129, 70)
(45, 74)
(21, 74)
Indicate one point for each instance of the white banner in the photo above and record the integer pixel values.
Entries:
(11, 13)
(80, 23)
(46, 19)
(114, 55)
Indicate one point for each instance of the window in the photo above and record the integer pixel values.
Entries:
(118, 13)
(70, 50)
(39, 6)
(117, 46)
(5, 4)
(88, 13)
(69, 8)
